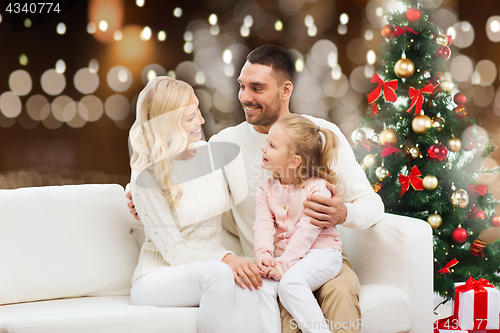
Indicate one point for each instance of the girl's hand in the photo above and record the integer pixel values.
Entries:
(263, 263)
(273, 273)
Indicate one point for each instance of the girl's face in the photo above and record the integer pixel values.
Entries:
(192, 120)
(276, 155)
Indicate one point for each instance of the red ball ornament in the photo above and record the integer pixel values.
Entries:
(387, 30)
(444, 52)
(460, 99)
(437, 152)
(413, 14)
(495, 221)
(478, 214)
(459, 235)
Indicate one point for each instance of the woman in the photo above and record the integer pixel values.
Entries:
(180, 197)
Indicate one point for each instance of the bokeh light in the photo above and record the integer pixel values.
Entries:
(23, 59)
(28, 23)
(212, 19)
(86, 81)
(131, 47)
(464, 34)
(61, 28)
(38, 107)
(493, 28)
(278, 26)
(146, 33)
(487, 71)
(117, 107)
(108, 16)
(119, 78)
(483, 95)
(444, 18)
(60, 66)
(368, 34)
(117, 35)
(53, 83)
(162, 36)
(344, 18)
(151, 71)
(63, 108)
(93, 66)
(177, 12)
(20, 82)
(90, 108)
(335, 88)
(139, 3)
(356, 50)
(10, 104)
(461, 68)
(91, 28)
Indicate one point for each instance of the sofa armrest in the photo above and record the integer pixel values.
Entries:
(396, 251)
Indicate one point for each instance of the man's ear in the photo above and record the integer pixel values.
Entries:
(295, 162)
(287, 90)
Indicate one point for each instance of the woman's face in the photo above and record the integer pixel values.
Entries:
(192, 119)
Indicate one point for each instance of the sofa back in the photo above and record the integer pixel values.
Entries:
(65, 241)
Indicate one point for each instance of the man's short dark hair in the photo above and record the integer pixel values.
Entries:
(277, 58)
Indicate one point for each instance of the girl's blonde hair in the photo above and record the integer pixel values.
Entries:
(157, 134)
(318, 152)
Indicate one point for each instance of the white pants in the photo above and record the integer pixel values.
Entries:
(295, 290)
(224, 307)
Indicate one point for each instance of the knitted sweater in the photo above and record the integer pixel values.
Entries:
(364, 206)
(191, 231)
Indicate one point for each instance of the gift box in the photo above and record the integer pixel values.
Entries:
(476, 305)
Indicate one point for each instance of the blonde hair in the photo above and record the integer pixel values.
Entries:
(157, 134)
(318, 152)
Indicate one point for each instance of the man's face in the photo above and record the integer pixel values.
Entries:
(259, 94)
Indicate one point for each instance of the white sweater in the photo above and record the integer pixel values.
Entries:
(364, 206)
(190, 231)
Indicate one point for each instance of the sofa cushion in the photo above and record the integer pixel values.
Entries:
(65, 241)
(384, 309)
(109, 314)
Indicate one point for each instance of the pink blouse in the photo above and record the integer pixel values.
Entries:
(279, 217)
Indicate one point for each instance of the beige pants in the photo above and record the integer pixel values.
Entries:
(339, 301)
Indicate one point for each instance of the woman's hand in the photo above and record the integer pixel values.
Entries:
(244, 269)
(131, 206)
(266, 262)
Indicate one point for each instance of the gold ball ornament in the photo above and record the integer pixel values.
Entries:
(442, 40)
(438, 123)
(454, 144)
(460, 198)
(430, 182)
(421, 123)
(382, 173)
(388, 137)
(435, 220)
(404, 68)
(357, 136)
(412, 151)
(447, 86)
(369, 160)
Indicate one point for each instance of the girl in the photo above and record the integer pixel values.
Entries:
(180, 197)
(301, 155)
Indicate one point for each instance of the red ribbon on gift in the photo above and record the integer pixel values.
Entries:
(416, 97)
(412, 179)
(480, 300)
(389, 87)
(477, 190)
(446, 268)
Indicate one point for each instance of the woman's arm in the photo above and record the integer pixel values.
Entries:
(157, 218)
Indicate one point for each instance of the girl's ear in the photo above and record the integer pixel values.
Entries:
(294, 162)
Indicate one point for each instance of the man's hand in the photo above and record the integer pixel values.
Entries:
(326, 212)
(130, 205)
(244, 269)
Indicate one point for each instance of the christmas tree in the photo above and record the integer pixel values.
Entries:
(422, 154)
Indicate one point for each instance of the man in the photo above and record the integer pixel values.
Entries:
(266, 85)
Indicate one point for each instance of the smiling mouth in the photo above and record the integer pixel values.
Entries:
(251, 109)
(198, 131)
(264, 159)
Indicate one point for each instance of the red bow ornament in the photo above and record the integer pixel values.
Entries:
(401, 30)
(412, 179)
(478, 190)
(389, 88)
(476, 305)
(446, 268)
(373, 109)
(417, 99)
(389, 150)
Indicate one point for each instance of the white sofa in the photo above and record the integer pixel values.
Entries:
(67, 254)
